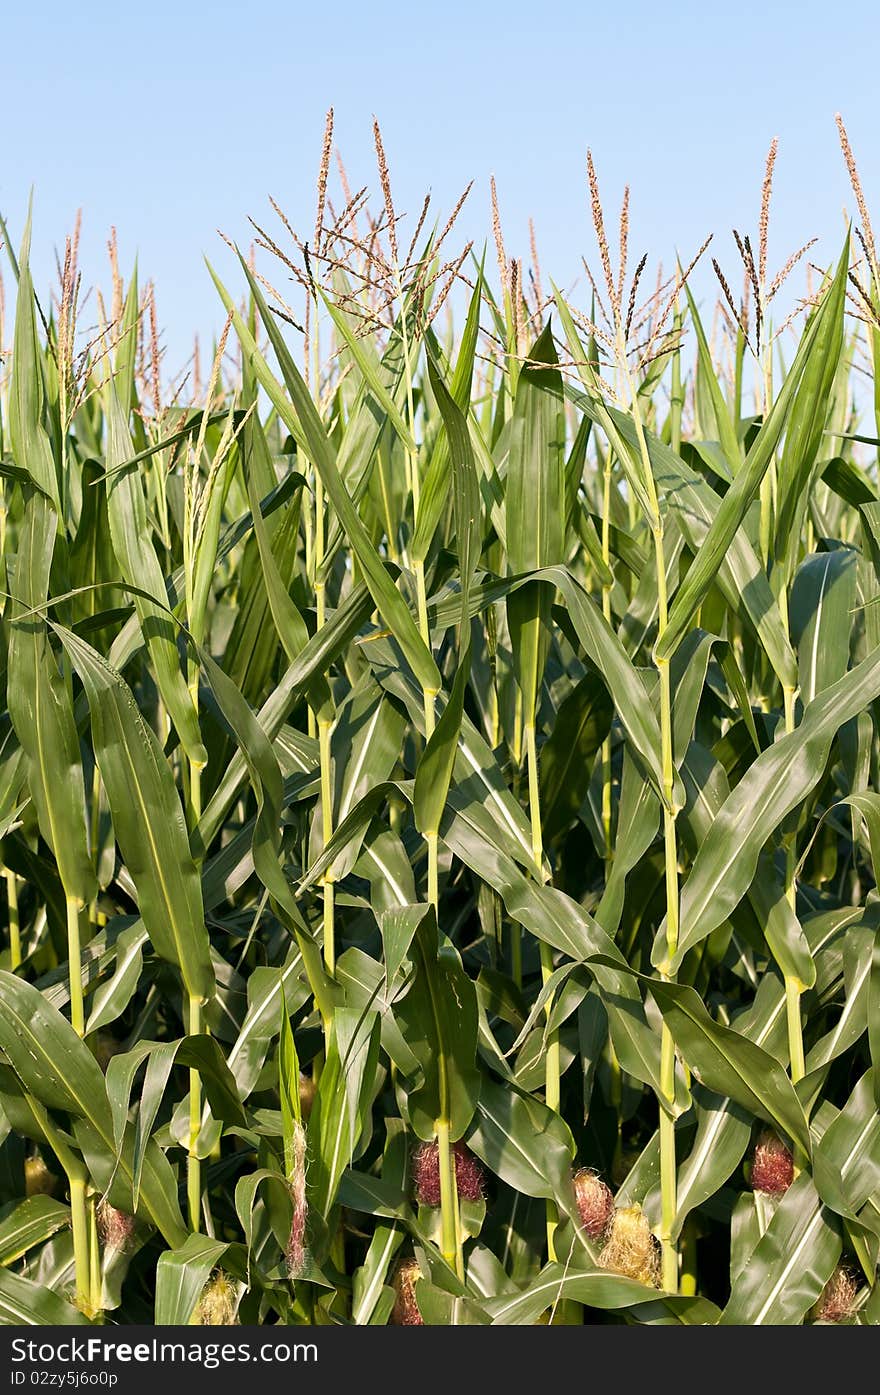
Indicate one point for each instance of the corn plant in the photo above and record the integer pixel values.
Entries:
(439, 809)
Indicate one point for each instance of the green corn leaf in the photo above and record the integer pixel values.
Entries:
(288, 1088)
(24, 1303)
(343, 1097)
(137, 560)
(29, 1224)
(438, 1017)
(435, 485)
(790, 1264)
(846, 1162)
(775, 784)
(55, 1066)
(181, 1275)
(41, 708)
(367, 367)
(147, 818)
(822, 600)
(438, 758)
(29, 438)
(729, 1063)
(816, 346)
(320, 450)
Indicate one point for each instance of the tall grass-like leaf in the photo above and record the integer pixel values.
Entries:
(147, 818)
(29, 1224)
(534, 508)
(320, 450)
(816, 357)
(694, 506)
(27, 429)
(24, 1303)
(343, 1097)
(377, 605)
(181, 1275)
(729, 1063)
(438, 1016)
(822, 600)
(55, 1066)
(791, 1263)
(41, 707)
(523, 1142)
(725, 427)
(435, 486)
(139, 565)
(774, 785)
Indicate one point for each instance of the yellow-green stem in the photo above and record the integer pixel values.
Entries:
(516, 744)
(323, 725)
(793, 987)
(689, 1259)
(95, 1285)
(193, 1163)
(428, 698)
(95, 835)
(433, 877)
(606, 611)
(309, 531)
(195, 771)
(551, 1089)
(606, 804)
(551, 1061)
(668, 1170)
(534, 798)
(77, 1178)
(795, 1033)
(319, 541)
(764, 1207)
(74, 961)
(450, 1230)
(668, 1190)
(329, 926)
(422, 601)
(79, 1225)
(194, 1166)
(12, 915)
(616, 1097)
(765, 525)
(324, 728)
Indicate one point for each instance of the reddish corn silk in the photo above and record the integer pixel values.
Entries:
(838, 1298)
(296, 1182)
(772, 1166)
(405, 1312)
(595, 1202)
(295, 1254)
(469, 1177)
(115, 1227)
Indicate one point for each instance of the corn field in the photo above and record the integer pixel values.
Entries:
(440, 783)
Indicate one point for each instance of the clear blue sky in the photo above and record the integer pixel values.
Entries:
(170, 120)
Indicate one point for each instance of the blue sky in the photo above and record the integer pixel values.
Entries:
(171, 120)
